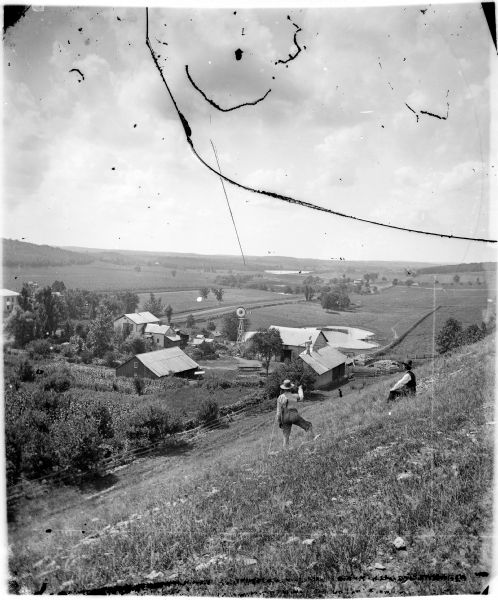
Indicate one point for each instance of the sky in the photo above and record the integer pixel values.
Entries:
(101, 159)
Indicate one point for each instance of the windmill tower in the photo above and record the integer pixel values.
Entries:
(241, 314)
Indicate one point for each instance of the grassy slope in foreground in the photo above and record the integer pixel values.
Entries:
(318, 518)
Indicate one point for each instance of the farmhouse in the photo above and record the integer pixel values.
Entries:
(162, 335)
(9, 300)
(157, 364)
(328, 363)
(294, 340)
(134, 322)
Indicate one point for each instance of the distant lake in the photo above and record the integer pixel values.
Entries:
(289, 272)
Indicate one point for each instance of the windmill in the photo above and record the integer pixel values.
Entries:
(241, 314)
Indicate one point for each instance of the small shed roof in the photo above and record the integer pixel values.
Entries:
(167, 361)
(297, 336)
(159, 329)
(141, 318)
(323, 360)
(4, 292)
(174, 338)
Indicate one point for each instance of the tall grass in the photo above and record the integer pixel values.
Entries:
(316, 520)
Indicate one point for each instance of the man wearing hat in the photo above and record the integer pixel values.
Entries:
(407, 385)
(287, 415)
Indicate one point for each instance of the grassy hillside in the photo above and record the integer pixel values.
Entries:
(23, 254)
(318, 520)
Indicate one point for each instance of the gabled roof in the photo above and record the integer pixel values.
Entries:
(4, 292)
(174, 338)
(159, 329)
(141, 318)
(323, 360)
(297, 336)
(167, 361)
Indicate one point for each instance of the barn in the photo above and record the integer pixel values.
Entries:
(134, 322)
(157, 364)
(328, 363)
(9, 300)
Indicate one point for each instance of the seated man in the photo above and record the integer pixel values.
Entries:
(406, 385)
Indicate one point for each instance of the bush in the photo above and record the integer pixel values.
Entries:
(86, 356)
(110, 359)
(297, 371)
(149, 424)
(38, 348)
(25, 371)
(208, 411)
(59, 380)
(139, 385)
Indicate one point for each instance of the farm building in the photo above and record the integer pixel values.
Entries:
(134, 322)
(162, 335)
(9, 300)
(328, 363)
(294, 340)
(200, 339)
(157, 364)
(184, 337)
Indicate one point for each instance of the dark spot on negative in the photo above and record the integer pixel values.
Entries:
(48, 530)
(80, 29)
(134, 125)
(113, 168)
(118, 18)
(238, 54)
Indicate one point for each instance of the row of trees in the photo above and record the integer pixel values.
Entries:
(217, 292)
(453, 335)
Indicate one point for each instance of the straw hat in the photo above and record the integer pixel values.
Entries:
(287, 385)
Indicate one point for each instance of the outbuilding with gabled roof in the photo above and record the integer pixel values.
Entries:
(158, 364)
(134, 322)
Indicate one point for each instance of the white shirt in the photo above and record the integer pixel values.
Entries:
(403, 381)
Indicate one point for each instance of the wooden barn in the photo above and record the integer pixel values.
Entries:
(157, 364)
(328, 363)
(134, 323)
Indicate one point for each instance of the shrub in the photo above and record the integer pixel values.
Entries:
(139, 385)
(38, 348)
(296, 370)
(110, 359)
(149, 424)
(59, 380)
(25, 371)
(86, 356)
(208, 411)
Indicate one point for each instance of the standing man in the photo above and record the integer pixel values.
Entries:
(407, 385)
(287, 415)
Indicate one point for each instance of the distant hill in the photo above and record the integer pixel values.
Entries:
(460, 268)
(24, 254)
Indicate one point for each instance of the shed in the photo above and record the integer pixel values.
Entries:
(157, 364)
(134, 322)
(328, 363)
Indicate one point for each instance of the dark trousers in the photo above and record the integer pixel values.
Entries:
(393, 394)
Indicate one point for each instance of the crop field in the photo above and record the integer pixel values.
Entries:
(184, 300)
(103, 276)
(395, 309)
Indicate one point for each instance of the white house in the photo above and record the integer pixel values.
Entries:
(294, 340)
(9, 300)
(163, 335)
(134, 322)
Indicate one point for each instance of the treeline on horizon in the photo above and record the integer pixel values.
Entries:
(24, 254)
(460, 268)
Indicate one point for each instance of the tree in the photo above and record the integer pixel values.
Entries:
(130, 301)
(296, 370)
(58, 286)
(138, 268)
(211, 326)
(190, 321)
(473, 333)
(50, 310)
(204, 292)
(395, 281)
(267, 343)
(338, 298)
(456, 278)
(449, 336)
(24, 300)
(168, 311)
(173, 273)
(409, 282)
(22, 326)
(230, 326)
(154, 305)
(101, 332)
(218, 293)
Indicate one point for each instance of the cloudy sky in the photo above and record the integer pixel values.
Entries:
(101, 159)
